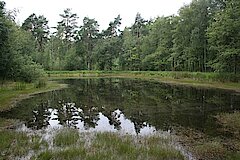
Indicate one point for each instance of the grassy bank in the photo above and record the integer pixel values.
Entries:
(215, 80)
(11, 92)
(68, 144)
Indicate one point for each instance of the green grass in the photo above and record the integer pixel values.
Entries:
(11, 92)
(69, 144)
(6, 123)
(41, 83)
(18, 144)
(200, 76)
(66, 137)
(71, 153)
(109, 146)
(20, 86)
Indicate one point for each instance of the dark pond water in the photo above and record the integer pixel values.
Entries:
(126, 105)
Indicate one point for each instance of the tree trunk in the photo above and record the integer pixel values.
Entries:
(173, 66)
(205, 56)
(235, 64)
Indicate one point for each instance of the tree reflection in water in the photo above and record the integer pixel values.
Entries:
(40, 117)
(67, 114)
(133, 106)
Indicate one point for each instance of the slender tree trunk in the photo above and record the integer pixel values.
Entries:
(199, 65)
(235, 64)
(188, 65)
(88, 54)
(173, 67)
(205, 56)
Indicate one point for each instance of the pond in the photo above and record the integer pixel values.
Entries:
(130, 106)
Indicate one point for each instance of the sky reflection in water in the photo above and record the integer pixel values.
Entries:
(125, 105)
(102, 124)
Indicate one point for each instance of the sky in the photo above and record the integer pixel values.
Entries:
(103, 11)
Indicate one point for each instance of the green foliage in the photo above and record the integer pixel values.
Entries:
(106, 52)
(16, 48)
(39, 29)
(203, 37)
(29, 71)
(87, 36)
(223, 36)
(4, 46)
(66, 28)
(74, 61)
(112, 30)
(21, 66)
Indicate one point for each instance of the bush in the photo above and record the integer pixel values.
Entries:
(28, 71)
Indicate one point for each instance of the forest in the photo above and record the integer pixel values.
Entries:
(203, 37)
(161, 88)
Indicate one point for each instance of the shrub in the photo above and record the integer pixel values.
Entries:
(29, 71)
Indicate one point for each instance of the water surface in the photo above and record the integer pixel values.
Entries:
(125, 105)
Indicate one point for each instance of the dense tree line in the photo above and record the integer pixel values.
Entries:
(203, 37)
(16, 50)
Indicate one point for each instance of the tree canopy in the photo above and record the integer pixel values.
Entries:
(203, 37)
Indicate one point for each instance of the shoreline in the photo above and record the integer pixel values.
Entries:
(11, 96)
(152, 76)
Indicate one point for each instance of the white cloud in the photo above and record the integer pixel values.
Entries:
(103, 11)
